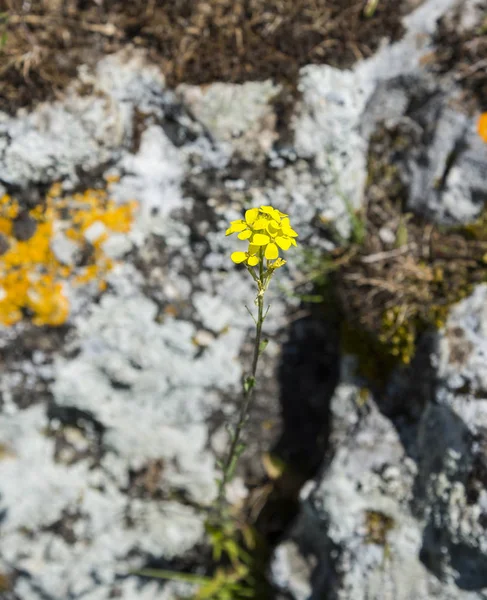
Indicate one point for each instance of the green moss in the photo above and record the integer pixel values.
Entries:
(398, 336)
(375, 362)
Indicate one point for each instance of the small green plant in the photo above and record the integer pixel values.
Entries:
(237, 552)
(267, 230)
(237, 575)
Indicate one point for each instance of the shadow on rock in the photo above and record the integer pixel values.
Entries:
(308, 375)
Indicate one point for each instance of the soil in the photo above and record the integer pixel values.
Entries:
(43, 42)
(463, 53)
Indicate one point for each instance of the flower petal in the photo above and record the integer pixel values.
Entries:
(236, 226)
(283, 242)
(238, 257)
(273, 227)
(266, 209)
(251, 215)
(260, 239)
(244, 235)
(276, 215)
(286, 228)
(260, 223)
(271, 251)
(253, 261)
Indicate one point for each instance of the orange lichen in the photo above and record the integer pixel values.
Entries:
(32, 278)
(482, 126)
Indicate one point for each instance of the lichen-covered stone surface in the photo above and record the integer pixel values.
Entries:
(399, 510)
(122, 359)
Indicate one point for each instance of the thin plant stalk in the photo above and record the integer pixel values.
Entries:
(236, 447)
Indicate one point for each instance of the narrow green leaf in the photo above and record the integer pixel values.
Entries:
(370, 8)
(263, 346)
(250, 313)
(249, 383)
(232, 549)
(173, 576)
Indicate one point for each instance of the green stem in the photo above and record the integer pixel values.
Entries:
(227, 467)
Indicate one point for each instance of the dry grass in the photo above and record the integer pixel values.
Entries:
(465, 54)
(407, 273)
(195, 41)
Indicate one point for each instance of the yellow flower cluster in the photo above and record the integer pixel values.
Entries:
(32, 278)
(267, 230)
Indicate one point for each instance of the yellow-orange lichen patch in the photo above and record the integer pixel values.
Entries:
(32, 278)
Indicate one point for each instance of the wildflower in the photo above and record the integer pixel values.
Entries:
(267, 230)
(482, 126)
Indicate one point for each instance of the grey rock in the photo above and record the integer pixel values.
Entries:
(64, 249)
(326, 130)
(134, 389)
(213, 310)
(378, 524)
(424, 484)
(238, 115)
(451, 489)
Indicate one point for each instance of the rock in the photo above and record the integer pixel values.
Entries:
(453, 470)
(95, 232)
(214, 311)
(240, 115)
(326, 130)
(447, 181)
(24, 227)
(203, 338)
(51, 143)
(64, 249)
(4, 244)
(115, 465)
(117, 246)
(153, 178)
(400, 512)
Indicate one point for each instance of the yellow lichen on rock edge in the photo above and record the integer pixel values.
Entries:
(32, 278)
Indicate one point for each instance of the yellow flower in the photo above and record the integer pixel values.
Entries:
(267, 228)
(482, 126)
(240, 257)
